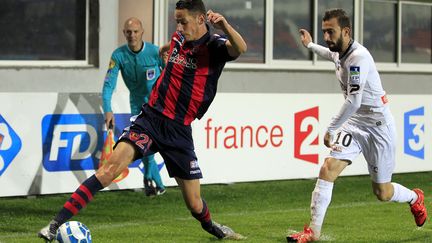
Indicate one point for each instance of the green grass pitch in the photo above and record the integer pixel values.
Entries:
(262, 211)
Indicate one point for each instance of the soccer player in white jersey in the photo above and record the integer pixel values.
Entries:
(364, 124)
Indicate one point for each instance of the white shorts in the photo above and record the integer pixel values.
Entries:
(377, 143)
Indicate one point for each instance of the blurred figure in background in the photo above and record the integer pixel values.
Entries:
(140, 65)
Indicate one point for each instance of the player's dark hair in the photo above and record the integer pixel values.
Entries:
(340, 14)
(195, 6)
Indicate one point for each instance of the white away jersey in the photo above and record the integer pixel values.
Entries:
(365, 99)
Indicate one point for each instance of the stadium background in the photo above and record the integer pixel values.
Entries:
(274, 88)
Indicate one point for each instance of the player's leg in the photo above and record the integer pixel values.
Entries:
(381, 160)
(340, 157)
(151, 173)
(192, 196)
(199, 210)
(176, 146)
(122, 156)
(321, 198)
(183, 166)
(155, 175)
(149, 188)
(322, 193)
(394, 192)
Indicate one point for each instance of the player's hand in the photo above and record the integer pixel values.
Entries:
(163, 51)
(327, 140)
(109, 120)
(305, 37)
(164, 57)
(217, 20)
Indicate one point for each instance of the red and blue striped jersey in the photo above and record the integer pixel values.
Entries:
(188, 84)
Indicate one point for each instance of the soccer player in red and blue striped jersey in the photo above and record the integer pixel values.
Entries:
(183, 92)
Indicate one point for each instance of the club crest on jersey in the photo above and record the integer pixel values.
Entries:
(150, 73)
(355, 74)
(133, 136)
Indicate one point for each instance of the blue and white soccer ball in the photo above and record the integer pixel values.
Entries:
(73, 232)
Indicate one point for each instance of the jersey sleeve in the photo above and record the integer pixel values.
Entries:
(221, 50)
(110, 83)
(321, 51)
(358, 72)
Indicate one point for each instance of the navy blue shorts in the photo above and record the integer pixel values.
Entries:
(152, 132)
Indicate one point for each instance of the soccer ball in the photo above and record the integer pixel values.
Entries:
(73, 232)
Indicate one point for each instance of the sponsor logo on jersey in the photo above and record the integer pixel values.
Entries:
(10, 145)
(194, 167)
(354, 74)
(194, 172)
(306, 133)
(414, 133)
(72, 142)
(111, 64)
(384, 99)
(178, 58)
(194, 164)
(110, 67)
(354, 70)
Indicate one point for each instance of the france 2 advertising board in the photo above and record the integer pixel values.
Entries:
(57, 143)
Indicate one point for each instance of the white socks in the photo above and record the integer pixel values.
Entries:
(402, 194)
(321, 198)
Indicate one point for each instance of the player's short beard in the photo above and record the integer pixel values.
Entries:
(338, 45)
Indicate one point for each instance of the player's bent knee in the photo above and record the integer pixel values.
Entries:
(331, 169)
(107, 173)
(104, 179)
(326, 171)
(382, 195)
(383, 191)
(119, 160)
(195, 206)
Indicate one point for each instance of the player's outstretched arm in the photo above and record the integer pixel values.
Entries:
(307, 41)
(235, 44)
(305, 37)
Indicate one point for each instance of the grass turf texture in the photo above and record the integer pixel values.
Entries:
(262, 211)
